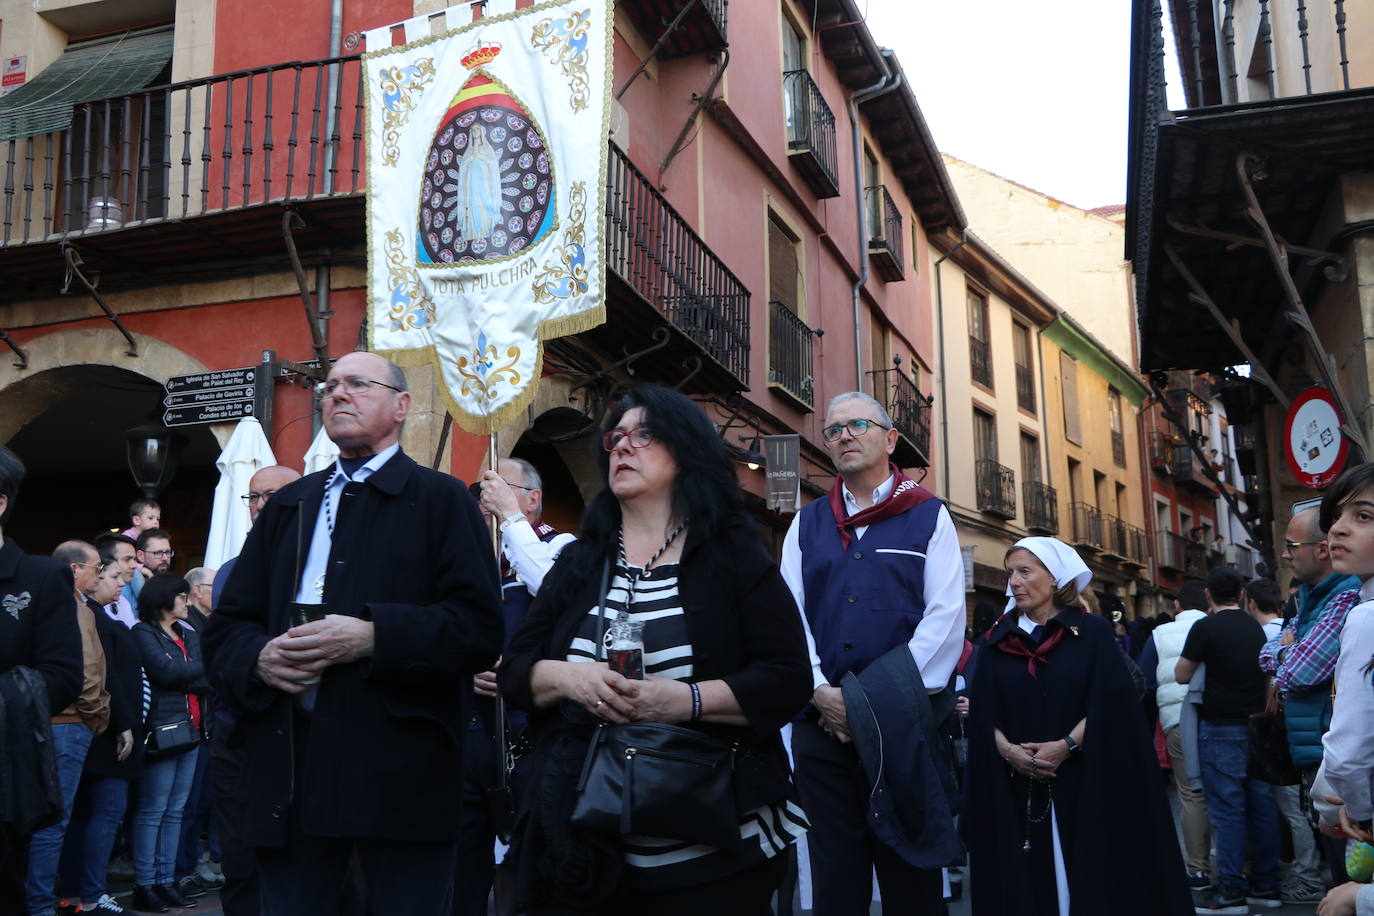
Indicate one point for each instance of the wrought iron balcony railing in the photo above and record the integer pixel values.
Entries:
(1171, 551)
(789, 353)
(683, 26)
(1115, 537)
(1162, 447)
(169, 152)
(1138, 546)
(996, 487)
(1086, 523)
(653, 249)
(884, 233)
(980, 361)
(1209, 33)
(811, 133)
(1187, 469)
(1025, 383)
(1042, 507)
(910, 412)
(1118, 448)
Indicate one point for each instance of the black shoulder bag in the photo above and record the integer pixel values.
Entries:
(654, 779)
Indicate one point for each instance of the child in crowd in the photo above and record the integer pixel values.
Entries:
(1347, 516)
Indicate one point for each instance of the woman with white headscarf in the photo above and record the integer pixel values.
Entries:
(1065, 814)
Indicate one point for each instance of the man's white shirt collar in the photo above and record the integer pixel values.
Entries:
(1367, 589)
(369, 467)
(851, 505)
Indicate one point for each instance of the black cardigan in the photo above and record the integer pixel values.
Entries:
(124, 683)
(744, 628)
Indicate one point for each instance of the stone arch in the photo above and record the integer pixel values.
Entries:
(57, 370)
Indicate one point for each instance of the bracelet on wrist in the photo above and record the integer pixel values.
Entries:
(1074, 746)
(696, 701)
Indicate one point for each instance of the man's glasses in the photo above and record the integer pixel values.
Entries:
(1294, 545)
(98, 567)
(353, 384)
(160, 554)
(262, 497)
(856, 428)
(639, 437)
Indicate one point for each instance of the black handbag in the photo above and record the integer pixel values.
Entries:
(654, 779)
(1268, 758)
(171, 739)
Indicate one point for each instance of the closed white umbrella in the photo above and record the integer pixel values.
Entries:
(247, 453)
(321, 453)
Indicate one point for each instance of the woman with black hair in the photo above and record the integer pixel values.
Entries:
(176, 679)
(667, 545)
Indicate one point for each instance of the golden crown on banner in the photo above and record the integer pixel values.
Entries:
(481, 54)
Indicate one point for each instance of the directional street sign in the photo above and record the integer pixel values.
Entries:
(211, 381)
(217, 412)
(213, 396)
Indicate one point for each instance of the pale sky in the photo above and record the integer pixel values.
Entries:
(1036, 92)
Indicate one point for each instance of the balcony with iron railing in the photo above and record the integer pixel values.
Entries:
(884, 233)
(1025, 383)
(1115, 538)
(789, 354)
(1187, 471)
(654, 251)
(810, 133)
(910, 412)
(1042, 507)
(1138, 547)
(684, 26)
(980, 361)
(1171, 551)
(286, 134)
(1085, 525)
(996, 486)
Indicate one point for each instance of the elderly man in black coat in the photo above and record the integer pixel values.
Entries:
(40, 673)
(363, 602)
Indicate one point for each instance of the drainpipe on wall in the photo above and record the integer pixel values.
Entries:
(940, 344)
(1044, 405)
(322, 279)
(886, 84)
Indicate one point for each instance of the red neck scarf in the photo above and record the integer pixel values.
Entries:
(906, 494)
(1023, 646)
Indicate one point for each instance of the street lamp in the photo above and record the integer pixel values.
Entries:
(151, 462)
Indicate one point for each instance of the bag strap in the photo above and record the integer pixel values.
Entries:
(601, 609)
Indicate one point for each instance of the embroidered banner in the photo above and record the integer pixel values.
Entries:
(486, 162)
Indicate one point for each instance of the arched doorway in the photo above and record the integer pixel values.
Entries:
(560, 443)
(67, 425)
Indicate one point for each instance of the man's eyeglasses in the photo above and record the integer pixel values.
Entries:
(98, 567)
(262, 497)
(639, 437)
(856, 428)
(1294, 545)
(353, 384)
(161, 553)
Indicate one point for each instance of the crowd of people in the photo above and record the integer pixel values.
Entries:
(373, 710)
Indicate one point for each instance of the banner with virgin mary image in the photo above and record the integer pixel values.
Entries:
(486, 159)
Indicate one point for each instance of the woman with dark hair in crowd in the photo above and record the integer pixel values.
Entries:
(724, 653)
(176, 677)
(1055, 731)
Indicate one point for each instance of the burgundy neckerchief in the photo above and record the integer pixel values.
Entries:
(1023, 646)
(543, 531)
(906, 494)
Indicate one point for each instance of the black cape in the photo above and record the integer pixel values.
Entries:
(1120, 849)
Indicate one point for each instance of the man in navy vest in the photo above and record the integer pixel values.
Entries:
(515, 497)
(874, 566)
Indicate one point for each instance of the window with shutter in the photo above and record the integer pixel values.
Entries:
(1068, 377)
(784, 270)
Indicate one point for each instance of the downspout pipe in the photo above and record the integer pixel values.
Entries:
(886, 84)
(944, 368)
(322, 273)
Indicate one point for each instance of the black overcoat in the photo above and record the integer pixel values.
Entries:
(38, 626)
(124, 683)
(381, 761)
(1121, 852)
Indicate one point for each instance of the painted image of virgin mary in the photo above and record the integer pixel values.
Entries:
(477, 210)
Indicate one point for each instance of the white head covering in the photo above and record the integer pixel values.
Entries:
(1059, 558)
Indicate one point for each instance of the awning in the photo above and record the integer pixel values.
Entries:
(87, 70)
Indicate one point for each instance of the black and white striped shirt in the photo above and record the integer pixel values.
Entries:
(768, 830)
